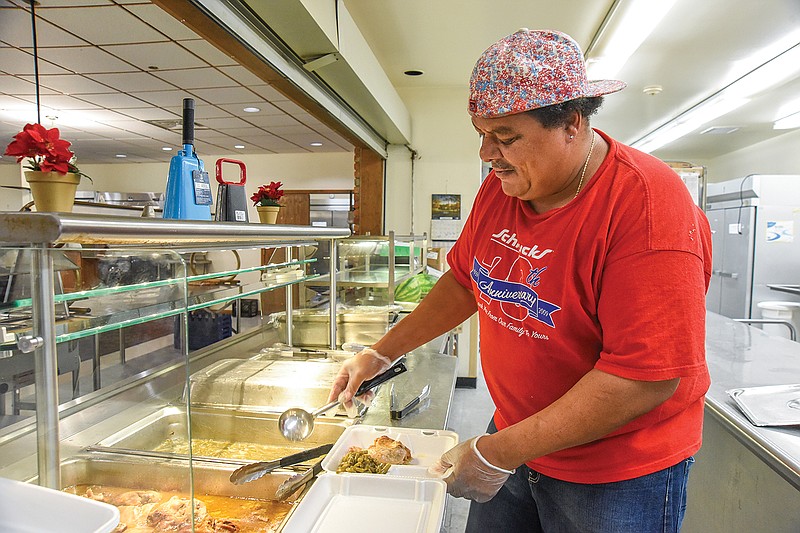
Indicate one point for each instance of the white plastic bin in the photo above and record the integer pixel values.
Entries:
(775, 310)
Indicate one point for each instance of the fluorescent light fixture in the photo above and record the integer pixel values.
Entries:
(787, 123)
(773, 71)
(626, 30)
(688, 122)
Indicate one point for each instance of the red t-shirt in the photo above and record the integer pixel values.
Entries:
(614, 280)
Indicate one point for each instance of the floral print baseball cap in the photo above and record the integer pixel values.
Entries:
(531, 69)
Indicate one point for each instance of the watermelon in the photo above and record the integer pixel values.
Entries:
(414, 288)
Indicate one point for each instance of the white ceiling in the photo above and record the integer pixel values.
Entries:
(98, 59)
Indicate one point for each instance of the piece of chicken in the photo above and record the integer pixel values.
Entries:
(176, 515)
(388, 450)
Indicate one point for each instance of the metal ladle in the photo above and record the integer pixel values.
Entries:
(297, 424)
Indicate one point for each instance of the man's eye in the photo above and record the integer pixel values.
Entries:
(507, 142)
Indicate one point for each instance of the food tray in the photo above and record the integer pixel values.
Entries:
(28, 508)
(337, 503)
(772, 405)
(168, 425)
(263, 385)
(426, 446)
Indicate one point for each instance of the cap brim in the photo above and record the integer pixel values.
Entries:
(601, 87)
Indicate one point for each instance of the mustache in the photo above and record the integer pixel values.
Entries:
(502, 166)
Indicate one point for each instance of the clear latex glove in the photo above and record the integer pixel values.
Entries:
(468, 474)
(362, 366)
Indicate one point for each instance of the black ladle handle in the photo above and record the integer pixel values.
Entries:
(395, 370)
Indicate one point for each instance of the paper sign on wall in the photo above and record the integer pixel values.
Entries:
(780, 230)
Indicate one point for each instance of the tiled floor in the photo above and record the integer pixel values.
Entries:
(469, 416)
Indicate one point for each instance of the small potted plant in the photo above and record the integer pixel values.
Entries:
(52, 175)
(266, 199)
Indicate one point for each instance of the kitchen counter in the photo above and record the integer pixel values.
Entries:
(746, 478)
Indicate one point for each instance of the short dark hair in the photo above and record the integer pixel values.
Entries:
(556, 115)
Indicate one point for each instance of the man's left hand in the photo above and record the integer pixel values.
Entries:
(470, 475)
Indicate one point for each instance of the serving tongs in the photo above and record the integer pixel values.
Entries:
(297, 481)
(396, 412)
(253, 471)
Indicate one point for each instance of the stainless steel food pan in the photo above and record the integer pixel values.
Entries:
(241, 436)
(264, 386)
(142, 473)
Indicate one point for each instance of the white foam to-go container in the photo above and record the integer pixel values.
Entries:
(426, 446)
(338, 503)
(28, 508)
(407, 499)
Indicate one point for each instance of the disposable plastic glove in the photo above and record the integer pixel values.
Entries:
(362, 366)
(468, 474)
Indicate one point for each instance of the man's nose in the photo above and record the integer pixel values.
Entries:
(488, 150)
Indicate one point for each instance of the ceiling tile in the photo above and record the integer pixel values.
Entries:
(112, 101)
(63, 102)
(269, 93)
(221, 123)
(129, 82)
(20, 62)
(225, 95)
(163, 98)
(210, 53)
(103, 25)
(242, 75)
(15, 29)
(196, 78)
(85, 60)
(266, 108)
(240, 133)
(149, 113)
(298, 129)
(290, 107)
(268, 121)
(73, 84)
(19, 86)
(164, 55)
(162, 21)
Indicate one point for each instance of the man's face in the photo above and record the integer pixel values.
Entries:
(530, 160)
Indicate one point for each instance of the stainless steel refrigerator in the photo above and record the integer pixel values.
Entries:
(755, 224)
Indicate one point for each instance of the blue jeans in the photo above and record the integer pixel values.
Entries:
(532, 502)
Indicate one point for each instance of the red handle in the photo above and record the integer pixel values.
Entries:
(242, 171)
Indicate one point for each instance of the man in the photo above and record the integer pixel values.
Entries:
(587, 263)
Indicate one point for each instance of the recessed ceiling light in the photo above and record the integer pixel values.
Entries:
(315, 143)
(251, 110)
(167, 148)
(413, 72)
(121, 155)
(239, 146)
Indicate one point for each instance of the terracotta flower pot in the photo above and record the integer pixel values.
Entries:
(53, 191)
(268, 214)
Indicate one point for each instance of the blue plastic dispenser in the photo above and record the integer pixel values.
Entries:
(188, 194)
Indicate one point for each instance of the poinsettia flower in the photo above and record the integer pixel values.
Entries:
(268, 194)
(44, 147)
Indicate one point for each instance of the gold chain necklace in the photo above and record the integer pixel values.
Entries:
(585, 164)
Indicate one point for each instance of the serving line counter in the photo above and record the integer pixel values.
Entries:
(746, 478)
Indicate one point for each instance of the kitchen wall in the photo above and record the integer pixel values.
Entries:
(780, 155)
(447, 162)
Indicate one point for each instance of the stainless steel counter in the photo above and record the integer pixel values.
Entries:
(746, 478)
(743, 356)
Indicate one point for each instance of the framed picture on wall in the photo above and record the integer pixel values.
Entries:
(445, 207)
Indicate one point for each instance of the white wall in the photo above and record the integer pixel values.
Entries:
(12, 199)
(448, 161)
(780, 155)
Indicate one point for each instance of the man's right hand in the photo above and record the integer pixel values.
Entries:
(362, 366)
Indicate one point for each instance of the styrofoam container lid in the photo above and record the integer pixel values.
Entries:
(340, 502)
(29, 508)
(426, 446)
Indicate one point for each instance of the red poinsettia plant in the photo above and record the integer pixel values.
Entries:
(44, 149)
(268, 194)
